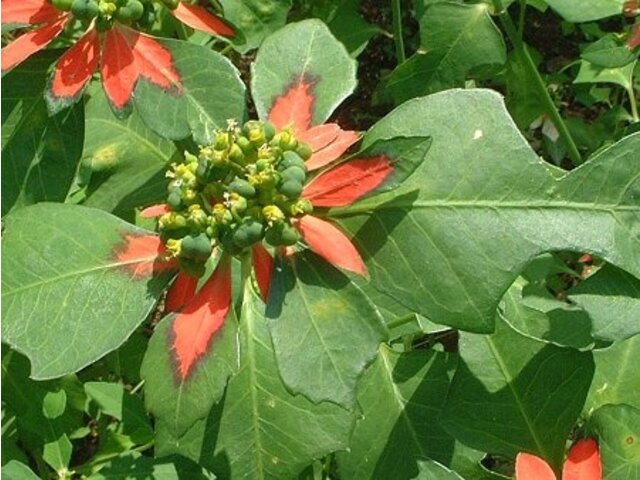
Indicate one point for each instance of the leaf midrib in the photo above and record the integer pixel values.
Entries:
(75, 273)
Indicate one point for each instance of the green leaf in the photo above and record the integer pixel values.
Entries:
(54, 404)
(570, 327)
(482, 205)
(401, 397)
(524, 99)
(350, 28)
(432, 470)
(616, 378)
(126, 160)
(337, 327)
(123, 406)
(303, 52)
(18, 471)
(590, 73)
(133, 466)
(179, 403)
(609, 52)
(69, 300)
(256, 19)
(212, 93)
(586, 10)
(511, 394)
(611, 297)
(260, 430)
(618, 430)
(40, 154)
(457, 39)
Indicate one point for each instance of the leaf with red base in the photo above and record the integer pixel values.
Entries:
(181, 292)
(263, 268)
(199, 18)
(583, 462)
(301, 74)
(154, 61)
(531, 467)
(142, 255)
(73, 72)
(29, 12)
(31, 42)
(326, 149)
(294, 108)
(382, 168)
(198, 323)
(93, 280)
(330, 243)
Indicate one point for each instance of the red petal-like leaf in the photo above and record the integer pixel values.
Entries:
(75, 68)
(263, 266)
(294, 108)
(155, 210)
(31, 42)
(332, 151)
(28, 11)
(181, 292)
(346, 183)
(141, 255)
(331, 244)
(583, 462)
(196, 326)
(200, 19)
(530, 467)
(634, 39)
(119, 70)
(153, 60)
(320, 136)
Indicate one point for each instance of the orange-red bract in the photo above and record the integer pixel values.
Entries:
(201, 318)
(198, 18)
(330, 243)
(583, 461)
(141, 255)
(347, 182)
(263, 266)
(181, 292)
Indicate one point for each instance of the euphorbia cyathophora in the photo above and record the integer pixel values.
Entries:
(111, 43)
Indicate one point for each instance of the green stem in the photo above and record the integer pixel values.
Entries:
(397, 31)
(523, 9)
(549, 106)
(634, 104)
(87, 468)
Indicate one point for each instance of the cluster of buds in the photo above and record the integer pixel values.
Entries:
(106, 12)
(242, 189)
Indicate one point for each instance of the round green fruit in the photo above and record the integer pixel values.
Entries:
(291, 188)
(196, 247)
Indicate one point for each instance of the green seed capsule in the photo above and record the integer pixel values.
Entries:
(242, 187)
(85, 9)
(248, 233)
(62, 4)
(194, 268)
(130, 12)
(196, 247)
(245, 145)
(304, 150)
(291, 188)
(294, 173)
(269, 130)
(148, 17)
(282, 234)
(291, 159)
(175, 200)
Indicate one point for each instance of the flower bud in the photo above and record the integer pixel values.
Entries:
(221, 214)
(172, 221)
(197, 218)
(301, 207)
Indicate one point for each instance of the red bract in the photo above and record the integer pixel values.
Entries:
(122, 54)
(583, 463)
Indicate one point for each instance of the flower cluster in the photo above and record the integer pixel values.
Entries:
(244, 188)
(111, 44)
